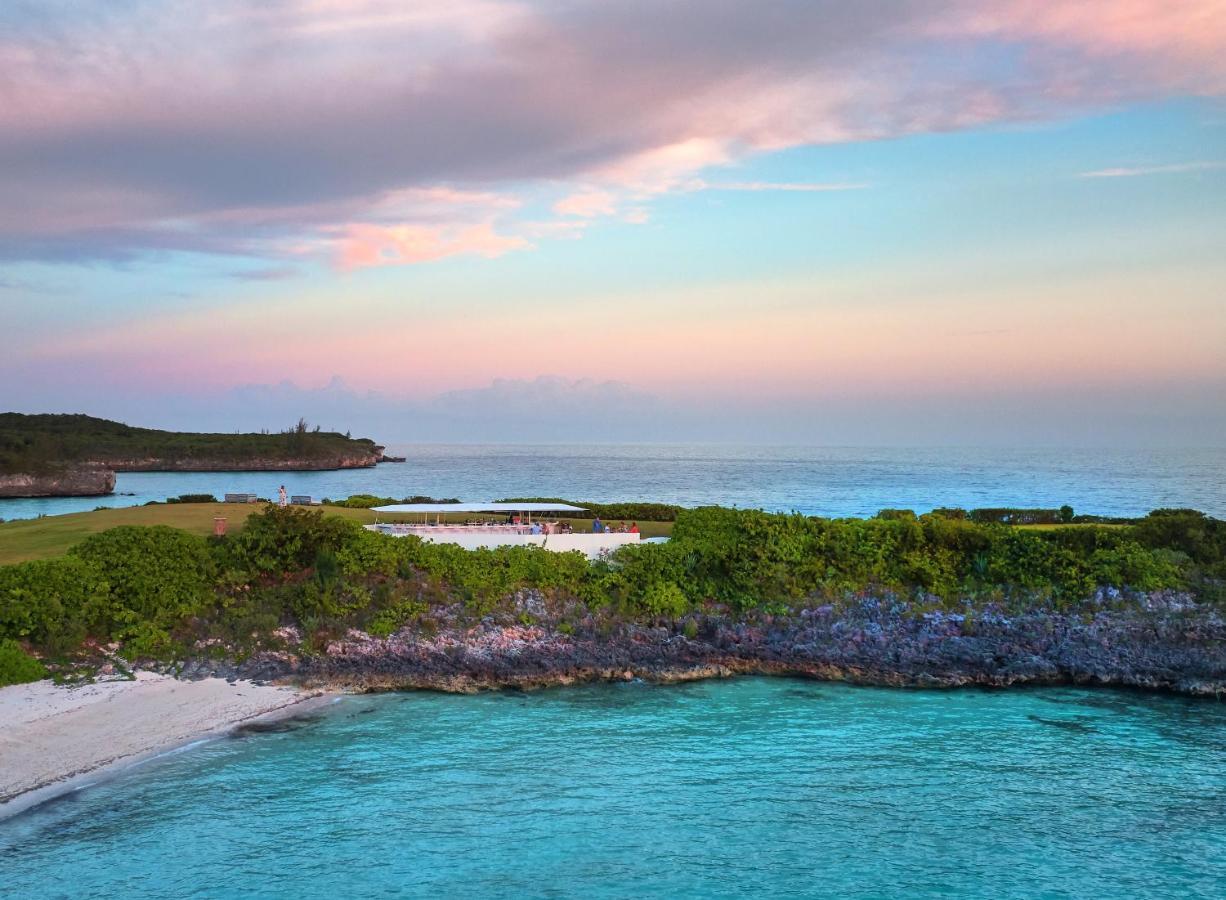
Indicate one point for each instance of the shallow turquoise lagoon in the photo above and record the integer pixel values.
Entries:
(746, 787)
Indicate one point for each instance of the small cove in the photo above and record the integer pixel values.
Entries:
(719, 788)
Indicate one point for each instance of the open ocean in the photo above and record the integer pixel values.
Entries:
(748, 787)
(830, 481)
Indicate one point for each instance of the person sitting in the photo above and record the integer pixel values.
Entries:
(634, 527)
(536, 528)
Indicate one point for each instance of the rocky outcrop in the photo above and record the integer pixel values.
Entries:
(98, 477)
(1157, 642)
(62, 455)
(75, 481)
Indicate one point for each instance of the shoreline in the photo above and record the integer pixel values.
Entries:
(53, 713)
(59, 739)
(1164, 643)
(474, 683)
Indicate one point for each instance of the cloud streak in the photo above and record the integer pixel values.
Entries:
(1170, 169)
(786, 187)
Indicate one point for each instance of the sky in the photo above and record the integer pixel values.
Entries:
(787, 221)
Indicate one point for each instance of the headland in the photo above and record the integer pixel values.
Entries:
(294, 602)
(78, 455)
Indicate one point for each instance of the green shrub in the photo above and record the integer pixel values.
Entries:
(17, 666)
(898, 515)
(394, 617)
(663, 599)
(327, 569)
(146, 640)
(367, 501)
(286, 539)
(949, 512)
(1131, 565)
(53, 603)
(1008, 515)
(370, 553)
(1201, 538)
(156, 574)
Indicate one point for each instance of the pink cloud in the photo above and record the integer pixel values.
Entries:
(587, 204)
(666, 168)
(1177, 43)
(364, 245)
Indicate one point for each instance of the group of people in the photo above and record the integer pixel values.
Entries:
(599, 527)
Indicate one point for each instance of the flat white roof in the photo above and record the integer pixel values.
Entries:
(477, 508)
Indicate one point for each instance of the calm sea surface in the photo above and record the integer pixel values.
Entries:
(824, 480)
(719, 789)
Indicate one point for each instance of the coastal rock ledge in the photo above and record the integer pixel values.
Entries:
(1169, 644)
(77, 481)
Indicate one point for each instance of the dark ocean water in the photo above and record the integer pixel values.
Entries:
(750, 787)
(825, 481)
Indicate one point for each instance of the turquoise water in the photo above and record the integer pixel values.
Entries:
(831, 481)
(717, 789)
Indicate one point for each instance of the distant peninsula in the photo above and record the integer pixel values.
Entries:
(78, 455)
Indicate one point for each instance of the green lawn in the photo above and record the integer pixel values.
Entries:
(53, 535)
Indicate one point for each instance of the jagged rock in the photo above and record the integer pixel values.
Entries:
(72, 481)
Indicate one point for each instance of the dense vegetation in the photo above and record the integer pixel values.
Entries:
(17, 666)
(161, 591)
(369, 501)
(44, 443)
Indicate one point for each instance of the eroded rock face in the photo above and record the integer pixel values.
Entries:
(98, 478)
(78, 481)
(246, 464)
(1159, 642)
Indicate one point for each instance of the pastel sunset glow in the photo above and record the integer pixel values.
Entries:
(841, 223)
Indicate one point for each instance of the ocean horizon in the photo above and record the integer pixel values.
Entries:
(826, 481)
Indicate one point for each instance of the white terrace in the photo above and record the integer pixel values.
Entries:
(499, 525)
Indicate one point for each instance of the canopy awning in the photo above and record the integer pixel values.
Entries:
(477, 508)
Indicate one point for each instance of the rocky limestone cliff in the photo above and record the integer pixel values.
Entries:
(98, 478)
(77, 481)
(1161, 641)
(246, 464)
(72, 455)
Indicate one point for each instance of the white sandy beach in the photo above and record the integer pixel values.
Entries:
(52, 735)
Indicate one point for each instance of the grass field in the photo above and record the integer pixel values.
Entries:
(53, 535)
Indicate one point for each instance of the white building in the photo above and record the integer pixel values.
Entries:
(499, 525)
